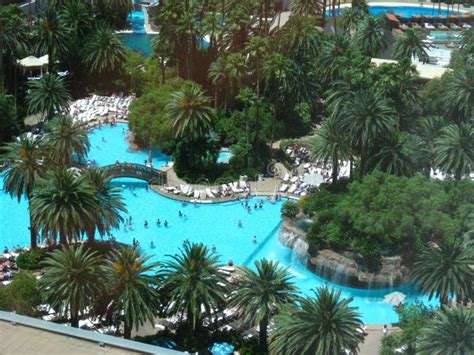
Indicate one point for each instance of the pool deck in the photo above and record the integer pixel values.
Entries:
(373, 339)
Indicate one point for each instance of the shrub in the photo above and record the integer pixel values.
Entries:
(30, 260)
(22, 295)
(290, 210)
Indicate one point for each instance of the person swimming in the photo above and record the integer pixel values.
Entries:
(146, 224)
(152, 245)
(255, 206)
(166, 223)
(180, 214)
(158, 222)
(239, 223)
(249, 209)
(254, 239)
(213, 248)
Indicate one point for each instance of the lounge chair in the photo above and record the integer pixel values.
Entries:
(441, 26)
(202, 195)
(404, 27)
(196, 194)
(286, 177)
(292, 189)
(455, 27)
(416, 26)
(466, 25)
(215, 192)
(429, 26)
(243, 185)
(190, 191)
(209, 193)
(283, 187)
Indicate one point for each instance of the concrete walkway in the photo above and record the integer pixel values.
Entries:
(373, 340)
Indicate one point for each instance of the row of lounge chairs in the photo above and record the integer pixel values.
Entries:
(225, 190)
(434, 26)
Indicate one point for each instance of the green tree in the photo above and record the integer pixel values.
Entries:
(194, 284)
(22, 295)
(445, 270)
(394, 158)
(372, 35)
(132, 288)
(261, 294)
(66, 138)
(459, 94)
(65, 204)
(218, 75)
(25, 156)
(322, 325)
(47, 95)
(71, 280)
(110, 204)
(330, 144)
(9, 126)
(454, 149)
(104, 52)
(306, 7)
(449, 333)
(189, 112)
(51, 36)
(410, 44)
(367, 118)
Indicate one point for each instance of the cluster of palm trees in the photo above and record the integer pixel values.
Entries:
(189, 285)
(64, 201)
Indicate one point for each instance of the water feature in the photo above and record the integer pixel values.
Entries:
(212, 224)
(403, 11)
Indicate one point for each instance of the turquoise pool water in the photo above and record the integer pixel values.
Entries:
(224, 156)
(214, 224)
(405, 11)
(140, 42)
(137, 19)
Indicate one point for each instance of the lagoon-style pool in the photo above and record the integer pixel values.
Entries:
(211, 224)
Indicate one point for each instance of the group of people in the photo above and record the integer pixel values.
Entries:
(257, 205)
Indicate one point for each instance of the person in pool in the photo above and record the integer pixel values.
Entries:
(180, 214)
(254, 239)
(166, 223)
(146, 224)
(152, 245)
(213, 248)
(158, 222)
(239, 223)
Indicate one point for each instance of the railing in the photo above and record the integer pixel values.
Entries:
(137, 171)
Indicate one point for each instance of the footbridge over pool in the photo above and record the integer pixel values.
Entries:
(136, 171)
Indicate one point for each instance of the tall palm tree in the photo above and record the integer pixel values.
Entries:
(349, 19)
(454, 149)
(372, 35)
(72, 280)
(132, 287)
(218, 75)
(323, 325)
(445, 269)
(410, 44)
(306, 7)
(367, 118)
(104, 52)
(51, 36)
(299, 38)
(460, 94)
(393, 158)
(236, 69)
(330, 144)
(189, 112)
(449, 333)
(64, 204)
(76, 16)
(110, 204)
(25, 156)
(12, 33)
(47, 95)
(194, 283)
(261, 294)
(66, 138)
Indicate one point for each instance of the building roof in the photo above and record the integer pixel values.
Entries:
(25, 335)
(425, 71)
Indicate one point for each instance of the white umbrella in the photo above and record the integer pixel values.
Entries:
(394, 298)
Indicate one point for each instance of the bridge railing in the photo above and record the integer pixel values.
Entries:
(139, 171)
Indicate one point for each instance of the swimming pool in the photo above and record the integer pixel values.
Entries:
(404, 11)
(137, 19)
(212, 224)
(140, 42)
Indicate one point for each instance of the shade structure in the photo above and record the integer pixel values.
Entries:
(44, 59)
(30, 62)
(394, 298)
(313, 179)
(222, 349)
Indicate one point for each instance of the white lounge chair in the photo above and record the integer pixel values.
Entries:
(292, 189)
(283, 187)
(286, 177)
(196, 194)
(209, 193)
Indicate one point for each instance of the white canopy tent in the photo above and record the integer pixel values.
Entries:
(31, 63)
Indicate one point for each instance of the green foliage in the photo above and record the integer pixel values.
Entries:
(389, 215)
(9, 125)
(22, 295)
(31, 259)
(290, 209)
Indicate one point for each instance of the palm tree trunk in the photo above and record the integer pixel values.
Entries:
(163, 74)
(363, 156)
(127, 330)
(335, 168)
(33, 242)
(334, 15)
(263, 334)
(215, 97)
(1, 56)
(75, 319)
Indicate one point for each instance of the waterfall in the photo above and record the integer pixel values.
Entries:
(300, 250)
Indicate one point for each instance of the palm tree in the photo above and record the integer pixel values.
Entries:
(306, 7)
(323, 325)
(194, 283)
(47, 95)
(109, 203)
(51, 36)
(104, 52)
(467, 37)
(65, 204)
(372, 35)
(299, 38)
(218, 75)
(261, 293)
(393, 158)
(189, 112)
(330, 144)
(454, 149)
(76, 16)
(460, 94)
(236, 69)
(449, 333)
(349, 19)
(71, 280)
(66, 138)
(410, 44)
(12, 33)
(445, 269)
(367, 117)
(25, 156)
(132, 287)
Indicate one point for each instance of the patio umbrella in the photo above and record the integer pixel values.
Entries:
(394, 298)
(222, 349)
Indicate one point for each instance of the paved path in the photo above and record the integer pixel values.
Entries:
(373, 340)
